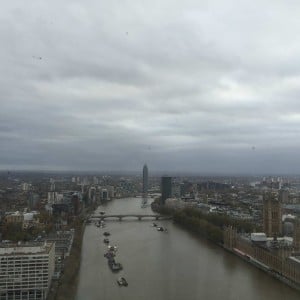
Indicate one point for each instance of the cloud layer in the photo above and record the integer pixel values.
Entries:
(199, 86)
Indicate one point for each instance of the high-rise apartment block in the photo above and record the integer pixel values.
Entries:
(272, 215)
(26, 270)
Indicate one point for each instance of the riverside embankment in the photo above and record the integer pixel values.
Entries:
(211, 227)
(166, 265)
(65, 288)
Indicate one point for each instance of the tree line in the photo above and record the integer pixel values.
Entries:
(208, 225)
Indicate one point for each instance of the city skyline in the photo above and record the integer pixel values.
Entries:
(192, 86)
(255, 220)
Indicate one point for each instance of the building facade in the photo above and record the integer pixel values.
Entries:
(145, 180)
(15, 217)
(276, 261)
(166, 188)
(296, 234)
(283, 196)
(26, 271)
(272, 215)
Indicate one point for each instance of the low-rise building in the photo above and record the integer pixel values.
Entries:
(15, 217)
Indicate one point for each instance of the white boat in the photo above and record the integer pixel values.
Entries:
(122, 281)
(112, 248)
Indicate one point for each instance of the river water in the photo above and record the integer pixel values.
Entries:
(166, 265)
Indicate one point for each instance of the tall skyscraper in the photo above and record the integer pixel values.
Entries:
(145, 180)
(272, 215)
(166, 188)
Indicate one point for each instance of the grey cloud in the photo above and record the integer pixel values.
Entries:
(186, 86)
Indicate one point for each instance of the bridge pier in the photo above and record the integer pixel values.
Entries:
(139, 218)
(120, 219)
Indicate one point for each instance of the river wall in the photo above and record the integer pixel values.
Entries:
(278, 266)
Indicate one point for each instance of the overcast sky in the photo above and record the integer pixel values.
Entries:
(185, 86)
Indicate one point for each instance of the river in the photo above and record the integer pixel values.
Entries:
(166, 265)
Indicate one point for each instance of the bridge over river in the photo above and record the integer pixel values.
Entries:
(120, 217)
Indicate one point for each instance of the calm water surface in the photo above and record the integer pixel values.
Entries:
(170, 266)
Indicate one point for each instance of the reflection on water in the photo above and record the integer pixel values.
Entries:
(173, 265)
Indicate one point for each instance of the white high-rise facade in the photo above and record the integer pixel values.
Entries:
(26, 271)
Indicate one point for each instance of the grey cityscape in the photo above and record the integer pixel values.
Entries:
(149, 150)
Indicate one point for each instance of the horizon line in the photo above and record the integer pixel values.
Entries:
(137, 172)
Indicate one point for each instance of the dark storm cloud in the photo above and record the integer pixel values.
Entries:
(186, 86)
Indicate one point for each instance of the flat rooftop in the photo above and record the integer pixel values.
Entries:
(32, 248)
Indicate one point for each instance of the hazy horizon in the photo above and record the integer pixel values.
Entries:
(152, 173)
